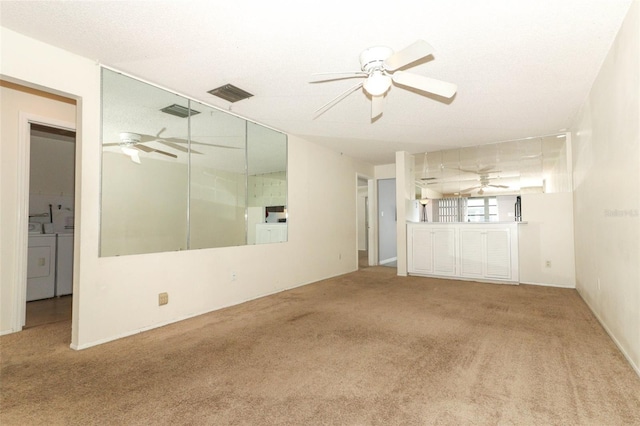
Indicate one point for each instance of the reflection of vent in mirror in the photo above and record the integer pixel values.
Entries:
(179, 111)
(230, 93)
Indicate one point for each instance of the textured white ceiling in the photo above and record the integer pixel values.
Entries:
(523, 68)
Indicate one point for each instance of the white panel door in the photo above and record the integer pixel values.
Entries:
(420, 258)
(471, 253)
(498, 253)
(444, 251)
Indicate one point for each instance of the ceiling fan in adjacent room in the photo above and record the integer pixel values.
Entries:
(381, 67)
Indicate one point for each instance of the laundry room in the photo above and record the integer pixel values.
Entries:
(51, 218)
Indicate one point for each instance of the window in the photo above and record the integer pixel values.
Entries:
(481, 209)
(484, 209)
(450, 210)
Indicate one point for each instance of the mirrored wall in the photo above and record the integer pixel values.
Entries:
(179, 175)
(532, 165)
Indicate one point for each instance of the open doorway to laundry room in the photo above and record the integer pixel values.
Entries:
(51, 201)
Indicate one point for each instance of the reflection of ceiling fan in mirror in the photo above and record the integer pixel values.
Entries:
(132, 143)
(484, 183)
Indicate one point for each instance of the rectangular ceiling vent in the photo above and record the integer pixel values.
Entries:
(230, 93)
(179, 111)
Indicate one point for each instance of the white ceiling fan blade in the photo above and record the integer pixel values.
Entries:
(499, 186)
(337, 99)
(184, 141)
(328, 76)
(377, 102)
(426, 84)
(482, 171)
(471, 189)
(149, 149)
(178, 147)
(409, 54)
(134, 154)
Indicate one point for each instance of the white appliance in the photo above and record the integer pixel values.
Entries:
(41, 267)
(64, 264)
(35, 228)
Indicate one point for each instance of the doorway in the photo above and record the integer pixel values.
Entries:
(365, 222)
(387, 218)
(51, 200)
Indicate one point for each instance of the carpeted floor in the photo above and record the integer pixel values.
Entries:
(367, 348)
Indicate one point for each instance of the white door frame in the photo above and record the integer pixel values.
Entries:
(22, 239)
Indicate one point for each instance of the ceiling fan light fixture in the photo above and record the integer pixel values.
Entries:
(377, 84)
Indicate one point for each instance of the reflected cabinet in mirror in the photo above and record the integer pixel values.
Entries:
(179, 175)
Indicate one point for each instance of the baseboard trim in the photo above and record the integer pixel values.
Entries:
(547, 285)
(635, 367)
(385, 261)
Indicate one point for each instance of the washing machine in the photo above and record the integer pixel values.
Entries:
(41, 267)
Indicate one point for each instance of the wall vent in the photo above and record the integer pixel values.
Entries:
(179, 111)
(230, 93)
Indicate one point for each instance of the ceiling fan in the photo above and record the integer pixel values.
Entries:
(381, 67)
(132, 143)
(484, 183)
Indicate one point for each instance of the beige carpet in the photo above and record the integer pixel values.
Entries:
(367, 348)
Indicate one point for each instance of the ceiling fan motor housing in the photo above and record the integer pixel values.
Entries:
(128, 138)
(373, 58)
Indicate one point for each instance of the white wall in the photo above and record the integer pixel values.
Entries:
(547, 236)
(606, 159)
(117, 296)
(51, 177)
(506, 207)
(13, 103)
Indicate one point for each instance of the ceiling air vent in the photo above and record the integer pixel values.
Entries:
(179, 110)
(230, 93)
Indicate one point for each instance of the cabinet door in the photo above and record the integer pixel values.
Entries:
(263, 234)
(420, 258)
(471, 253)
(444, 251)
(498, 249)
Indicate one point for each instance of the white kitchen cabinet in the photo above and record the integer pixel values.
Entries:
(485, 253)
(477, 251)
(420, 258)
(433, 251)
(271, 233)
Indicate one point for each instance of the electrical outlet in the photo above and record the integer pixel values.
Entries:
(548, 264)
(163, 299)
(234, 276)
